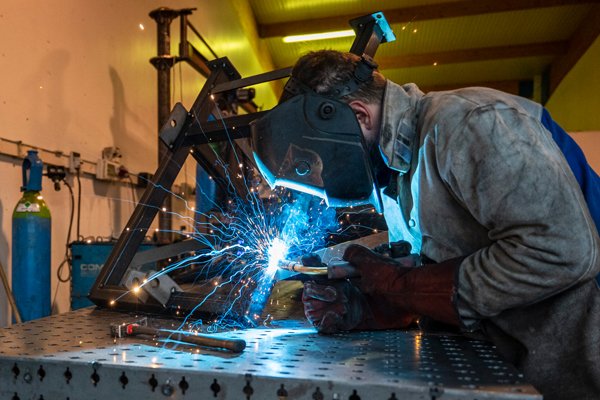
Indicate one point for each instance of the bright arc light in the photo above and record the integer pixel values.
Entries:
(276, 253)
(318, 36)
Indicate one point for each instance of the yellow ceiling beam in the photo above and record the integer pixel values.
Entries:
(469, 55)
(416, 13)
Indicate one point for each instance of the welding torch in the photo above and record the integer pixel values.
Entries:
(311, 264)
(333, 270)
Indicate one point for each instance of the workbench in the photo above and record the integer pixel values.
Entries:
(74, 356)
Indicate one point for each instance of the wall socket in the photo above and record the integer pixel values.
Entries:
(74, 162)
(107, 170)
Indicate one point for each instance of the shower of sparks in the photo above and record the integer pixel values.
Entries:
(242, 238)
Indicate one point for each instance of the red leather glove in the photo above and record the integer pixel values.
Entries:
(336, 306)
(340, 306)
(428, 290)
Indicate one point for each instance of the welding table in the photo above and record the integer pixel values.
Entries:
(73, 356)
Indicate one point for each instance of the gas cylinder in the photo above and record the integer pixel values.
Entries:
(31, 233)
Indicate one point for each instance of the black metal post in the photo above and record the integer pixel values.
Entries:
(163, 63)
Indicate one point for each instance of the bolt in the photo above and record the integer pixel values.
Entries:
(167, 389)
(317, 395)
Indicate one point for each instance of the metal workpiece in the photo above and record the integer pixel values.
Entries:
(73, 356)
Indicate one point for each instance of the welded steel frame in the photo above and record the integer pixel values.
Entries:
(185, 132)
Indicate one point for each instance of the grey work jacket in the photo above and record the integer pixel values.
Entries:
(479, 176)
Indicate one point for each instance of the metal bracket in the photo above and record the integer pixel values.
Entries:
(159, 288)
(174, 125)
(371, 30)
(163, 62)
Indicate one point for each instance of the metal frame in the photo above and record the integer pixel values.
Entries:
(184, 132)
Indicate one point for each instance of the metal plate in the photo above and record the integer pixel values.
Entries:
(73, 355)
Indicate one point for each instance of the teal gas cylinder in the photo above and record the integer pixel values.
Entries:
(31, 233)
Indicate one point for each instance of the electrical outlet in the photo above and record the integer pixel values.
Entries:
(74, 162)
(107, 170)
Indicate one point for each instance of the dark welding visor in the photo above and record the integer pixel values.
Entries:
(314, 144)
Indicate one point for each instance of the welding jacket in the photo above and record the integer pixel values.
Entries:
(478, 176)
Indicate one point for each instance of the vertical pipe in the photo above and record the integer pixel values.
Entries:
(163, 63)
(183, 44)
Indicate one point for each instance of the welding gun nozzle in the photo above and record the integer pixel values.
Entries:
(294, 266)
(287, 264)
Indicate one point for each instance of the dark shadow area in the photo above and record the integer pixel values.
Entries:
(121, 133)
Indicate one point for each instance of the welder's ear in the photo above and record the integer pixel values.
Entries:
(363, 113)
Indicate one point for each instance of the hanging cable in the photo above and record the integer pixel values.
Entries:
(180, 85)
(78, 204)
(67, 260)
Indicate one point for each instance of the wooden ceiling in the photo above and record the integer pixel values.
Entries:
(511, 45)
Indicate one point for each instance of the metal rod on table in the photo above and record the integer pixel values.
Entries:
(9, 295)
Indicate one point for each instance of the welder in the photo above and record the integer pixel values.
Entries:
(494, 197)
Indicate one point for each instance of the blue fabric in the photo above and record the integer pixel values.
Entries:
(586, 177)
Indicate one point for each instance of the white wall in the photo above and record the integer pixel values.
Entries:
(75, 76)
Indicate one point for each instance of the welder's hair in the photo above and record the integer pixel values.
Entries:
(325, 69)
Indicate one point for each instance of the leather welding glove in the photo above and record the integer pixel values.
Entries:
(333, 307)
(340, 306)
(428, 290)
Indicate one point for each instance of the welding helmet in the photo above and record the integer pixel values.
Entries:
(313, 143)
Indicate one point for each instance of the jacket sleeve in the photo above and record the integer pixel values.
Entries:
(504, 168)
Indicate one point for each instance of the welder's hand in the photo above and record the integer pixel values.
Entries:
(333, 307)
(429, 290)
(378, 273)
(312, 260)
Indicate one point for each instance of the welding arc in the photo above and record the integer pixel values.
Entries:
(235, 345)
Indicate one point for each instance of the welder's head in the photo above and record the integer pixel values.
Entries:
(318, 139)
(327, 71)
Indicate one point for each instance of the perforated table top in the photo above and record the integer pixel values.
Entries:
(61, 357)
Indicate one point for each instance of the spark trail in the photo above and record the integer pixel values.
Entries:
(243, 240)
